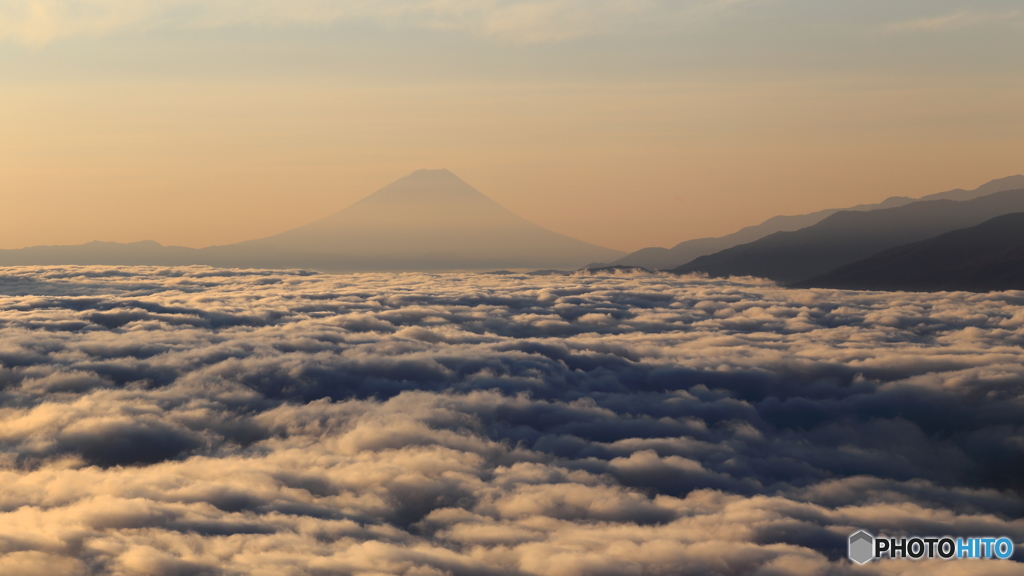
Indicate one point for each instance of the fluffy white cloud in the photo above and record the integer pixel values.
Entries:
(198, 421)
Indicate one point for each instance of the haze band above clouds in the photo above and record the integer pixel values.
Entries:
(196, 421)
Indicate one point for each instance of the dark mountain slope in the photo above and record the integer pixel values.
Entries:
(989, 256)
(845, 237)
(664, 258)
(684, 252)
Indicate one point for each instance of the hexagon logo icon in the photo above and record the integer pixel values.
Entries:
(861, 547)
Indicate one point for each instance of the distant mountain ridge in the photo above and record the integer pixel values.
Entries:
(143, 253)
(846, 237)
(430, 220)
(989, 256)
(684, 252)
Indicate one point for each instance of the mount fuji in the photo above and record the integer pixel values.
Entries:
(430, 220)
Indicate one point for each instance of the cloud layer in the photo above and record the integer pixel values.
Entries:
(39, 21)
(198, 421)
(521, 21)
(957, 21)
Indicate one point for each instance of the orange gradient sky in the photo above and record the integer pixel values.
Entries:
(626, 124)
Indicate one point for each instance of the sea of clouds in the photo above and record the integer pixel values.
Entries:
(180, 421)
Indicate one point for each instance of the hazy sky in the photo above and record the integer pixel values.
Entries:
(624, 123)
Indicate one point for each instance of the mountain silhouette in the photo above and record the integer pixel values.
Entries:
(144, 253)
(684, 252)
(845, 237)
(989, 256)
(429, 220)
